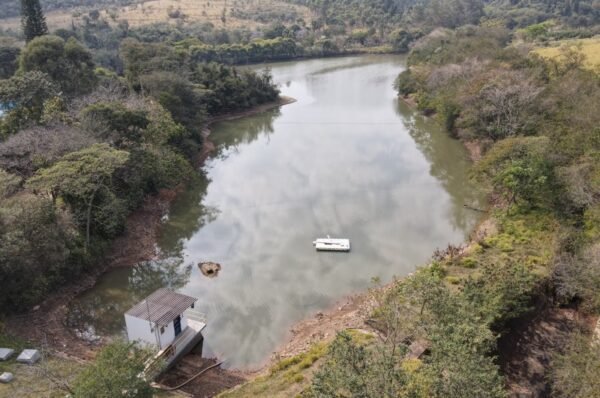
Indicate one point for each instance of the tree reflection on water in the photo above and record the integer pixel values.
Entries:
(100, 311)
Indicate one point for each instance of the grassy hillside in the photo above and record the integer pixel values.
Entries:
(590, 48)
(238, 13)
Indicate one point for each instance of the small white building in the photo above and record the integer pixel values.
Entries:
(165, 320)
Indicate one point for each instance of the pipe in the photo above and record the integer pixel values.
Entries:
(191, 378)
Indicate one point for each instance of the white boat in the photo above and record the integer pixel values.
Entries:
(331, 244)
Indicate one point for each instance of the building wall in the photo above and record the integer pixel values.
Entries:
(139, 330)
(168, 336)
(183, 322)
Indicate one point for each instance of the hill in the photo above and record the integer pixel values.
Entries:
(221, 13)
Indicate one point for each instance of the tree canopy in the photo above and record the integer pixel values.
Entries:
(115, 373)
(68, 64)
(33, 19)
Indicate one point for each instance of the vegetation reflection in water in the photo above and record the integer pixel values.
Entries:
(348, 160)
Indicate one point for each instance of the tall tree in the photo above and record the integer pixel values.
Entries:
(80, 176)
(33, 19)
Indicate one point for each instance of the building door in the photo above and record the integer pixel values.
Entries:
(177, 325)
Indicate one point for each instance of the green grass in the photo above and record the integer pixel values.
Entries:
(528, 238)
(288, 378)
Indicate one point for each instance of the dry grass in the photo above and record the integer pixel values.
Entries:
(153, 11)
(590, 47)
(36, 380)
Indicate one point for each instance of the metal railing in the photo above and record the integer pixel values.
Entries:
(195, 315)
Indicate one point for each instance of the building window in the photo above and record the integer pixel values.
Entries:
(162, 330)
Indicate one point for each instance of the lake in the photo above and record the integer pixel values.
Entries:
(347, 159)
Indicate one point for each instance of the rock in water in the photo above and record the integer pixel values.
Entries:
(209, 269)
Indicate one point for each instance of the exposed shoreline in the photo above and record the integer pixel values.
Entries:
(138, 244)
(45, 325)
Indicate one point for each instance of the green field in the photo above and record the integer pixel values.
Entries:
(590, 47)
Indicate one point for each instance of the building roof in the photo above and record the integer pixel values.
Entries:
(162, 306)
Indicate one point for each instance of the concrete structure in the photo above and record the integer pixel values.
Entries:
(166, 320)
(29, 357)
(6, 377)
(6, 353)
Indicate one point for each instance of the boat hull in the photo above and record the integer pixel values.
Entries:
(332, 245)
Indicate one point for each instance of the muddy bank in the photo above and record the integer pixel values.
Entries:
(45, 325)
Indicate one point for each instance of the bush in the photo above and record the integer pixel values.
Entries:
(115, 373)
(575, 372)
(405, 83)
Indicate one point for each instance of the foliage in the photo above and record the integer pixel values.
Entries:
(521, 170)
(115, 372)
(353, 370)
(501, 292)
(80, 177)
(261, 50)
(38, 250)
(115, 123)
(406, 83)
(33, 19)
(577, 277)
(288, 377)
(575, 372)
(68, 64)
(181, 97)
(9, 56)
(30, 149)
(24, 94)
(419, 307)
(9, 184)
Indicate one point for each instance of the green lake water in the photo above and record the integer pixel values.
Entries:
(347, 159)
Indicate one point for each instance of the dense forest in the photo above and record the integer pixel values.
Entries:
(97, 117)
(82, 146)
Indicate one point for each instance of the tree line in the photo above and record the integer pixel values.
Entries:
(81, 146)
(535, 122)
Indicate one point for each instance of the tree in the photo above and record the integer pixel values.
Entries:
(502, 105)
(578, 277)
(353, 370)
(115, 373)
(25, 95)
(9, 56)
(575, 372)
(9, 184)
(40, 146)
(80, 176)
(521, 170)
(33, 19)
(69, 64)
(39, 247)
